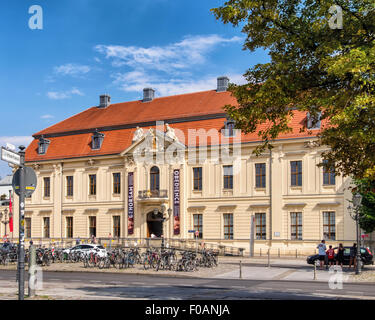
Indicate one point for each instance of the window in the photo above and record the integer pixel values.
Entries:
(92, 178)
(260, 175)
(28, 227)
(116, 226)
(260, 225)
(43, 145)
(296, 173)
(228, 226)
(198, 224)
(92, 226)
(47, 187)
(329, 177)
(117, 183)
(154, 180)
(97, 140)
(329, 225)
(69, 186)
(228, 177)
(313, 120)
(296, 225)
(46, 227)
(69, 227)
(197, 178)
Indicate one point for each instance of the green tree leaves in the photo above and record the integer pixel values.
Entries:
(313, 68)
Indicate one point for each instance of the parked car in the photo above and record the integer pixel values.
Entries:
(366, 257)
(88, 248)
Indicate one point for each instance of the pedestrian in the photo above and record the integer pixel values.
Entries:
(353, 256)
(331, 256)
(340, 255)
(78, 241)
(322, 253)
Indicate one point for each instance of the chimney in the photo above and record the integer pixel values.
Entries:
(222, 84)
(105, 101)
(148, 94)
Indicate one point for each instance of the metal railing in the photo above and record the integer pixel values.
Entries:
(182, 244)
(147, 194)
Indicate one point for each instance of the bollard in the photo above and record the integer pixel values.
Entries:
(32, 270)
(269, 262)
(240, 269)
(279, 252)
(260, 251)
(314, 271)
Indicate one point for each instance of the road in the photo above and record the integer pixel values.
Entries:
(78, 285)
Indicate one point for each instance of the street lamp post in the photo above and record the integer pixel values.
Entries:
(163, 219)
(6, 221)
(354, 212)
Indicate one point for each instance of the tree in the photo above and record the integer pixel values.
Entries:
(366, 187)
(326, 71)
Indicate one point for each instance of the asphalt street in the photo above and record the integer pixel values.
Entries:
(80, 285)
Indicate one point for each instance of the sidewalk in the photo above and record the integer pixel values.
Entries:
(229, 268)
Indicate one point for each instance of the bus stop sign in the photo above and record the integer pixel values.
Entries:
(30, 181)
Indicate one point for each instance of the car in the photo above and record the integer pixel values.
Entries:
(88, 248)
(366, 257)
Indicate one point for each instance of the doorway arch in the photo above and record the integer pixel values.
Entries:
(154, 224)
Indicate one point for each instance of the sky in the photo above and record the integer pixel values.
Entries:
(90, 47)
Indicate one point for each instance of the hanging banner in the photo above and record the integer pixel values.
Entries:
(130, 203)
(176, 201)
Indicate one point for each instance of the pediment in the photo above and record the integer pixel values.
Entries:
(153, 141)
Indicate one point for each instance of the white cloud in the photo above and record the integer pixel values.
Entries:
(72, 69)
(180, 55)
(16, 140)
(47, 116)
(59, 95)
(137, 80)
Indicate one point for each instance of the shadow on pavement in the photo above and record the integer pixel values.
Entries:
(196, 293)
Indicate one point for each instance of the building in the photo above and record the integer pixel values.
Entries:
(5, 189)
(116, 169)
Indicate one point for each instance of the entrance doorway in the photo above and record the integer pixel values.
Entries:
(154, 224)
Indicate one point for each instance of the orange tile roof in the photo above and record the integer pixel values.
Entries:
(116, 141)
(178, 106)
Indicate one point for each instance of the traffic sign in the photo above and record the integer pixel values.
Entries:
(10, 156)
(191, 231)
(30, 181)
(197, 233)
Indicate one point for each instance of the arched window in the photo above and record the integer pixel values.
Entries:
(154, 179)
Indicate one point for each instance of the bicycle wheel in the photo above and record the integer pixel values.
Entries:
(146, 263)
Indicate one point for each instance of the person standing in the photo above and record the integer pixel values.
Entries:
(353, 256)
(331, 256)
(322, 253)
(340, 255)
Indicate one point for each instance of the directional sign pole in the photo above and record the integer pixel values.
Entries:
(21, 247)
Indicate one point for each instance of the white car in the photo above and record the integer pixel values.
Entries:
(88, 248)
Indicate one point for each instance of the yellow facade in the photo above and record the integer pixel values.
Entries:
(277, 200)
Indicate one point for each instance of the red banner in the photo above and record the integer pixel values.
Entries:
(10, 212)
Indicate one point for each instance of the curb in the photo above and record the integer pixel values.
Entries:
(195, 277)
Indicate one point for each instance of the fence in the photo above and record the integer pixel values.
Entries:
(183, 244)
(279, 248)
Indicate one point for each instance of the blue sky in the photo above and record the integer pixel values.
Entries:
(91, 47)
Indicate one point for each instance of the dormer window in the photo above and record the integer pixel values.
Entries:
(43, 145)
(313, 121)
(97, 140)
(230, 128)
